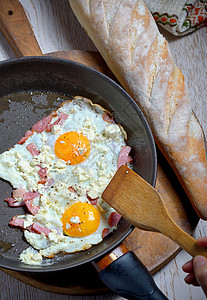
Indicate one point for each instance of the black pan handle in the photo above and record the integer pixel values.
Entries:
(129, 278)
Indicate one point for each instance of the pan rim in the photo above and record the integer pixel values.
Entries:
(119, 88)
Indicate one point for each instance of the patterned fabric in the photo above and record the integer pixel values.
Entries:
(180, 17)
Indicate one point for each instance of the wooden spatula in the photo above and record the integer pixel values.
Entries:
(141, 205)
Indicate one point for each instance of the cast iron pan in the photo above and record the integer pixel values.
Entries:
(30, 88)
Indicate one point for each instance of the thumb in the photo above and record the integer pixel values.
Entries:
(200, 269)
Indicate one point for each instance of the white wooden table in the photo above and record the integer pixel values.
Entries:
(56, 28)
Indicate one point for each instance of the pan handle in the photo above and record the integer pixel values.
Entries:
(17, 30)
(128, 277)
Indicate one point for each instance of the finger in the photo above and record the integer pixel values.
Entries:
(195, 284)
(202, 241)
(191, 279)
(188, 266)
(200, 269)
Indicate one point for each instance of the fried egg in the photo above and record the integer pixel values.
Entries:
(59, 170)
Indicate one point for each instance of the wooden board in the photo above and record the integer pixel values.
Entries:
(153, 249)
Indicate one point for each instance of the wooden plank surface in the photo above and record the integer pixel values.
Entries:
(155, 250)
(56, 29)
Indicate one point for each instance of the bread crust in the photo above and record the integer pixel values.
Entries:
(127, 37)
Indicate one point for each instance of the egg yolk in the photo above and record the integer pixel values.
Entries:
(80, 219)
(72, 146)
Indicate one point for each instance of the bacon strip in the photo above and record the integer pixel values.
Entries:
(71, 189)
(114, 219)
(17, 222)
(62, 117)
(107, 118)
(36, 228)
(12, 202)
(40, 229)
(93, 201)
(18, 192)
(26, 136)
(32, 208)
(28, 199)
(33, 149)
(30, 196)
(124, 157)
(105, 232)
(41, 125)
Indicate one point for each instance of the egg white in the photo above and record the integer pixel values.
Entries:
(90, 177)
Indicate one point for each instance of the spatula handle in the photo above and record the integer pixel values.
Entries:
(17, 30)
(182, 238)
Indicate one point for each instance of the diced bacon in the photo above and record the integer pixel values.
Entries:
(43, 175)
(105, 232)
(114, 219)
(17, 222)
(18, 192)
(41, 125)
(12, 202)
(28, 199)
(124, 157)
(32, 208)
(40, 229)
(107, 118)
(29, 228)
(22, 140)
(30, 196)
(50, 126)
(62, 117)
(93, 201)
(29, 133)
(33, 149)
(71, 189)
(26, 136)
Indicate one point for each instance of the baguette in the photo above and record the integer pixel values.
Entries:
(127, 37)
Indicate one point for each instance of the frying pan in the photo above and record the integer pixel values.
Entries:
(31, 88)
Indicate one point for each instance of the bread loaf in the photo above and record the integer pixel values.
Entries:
(127, 37)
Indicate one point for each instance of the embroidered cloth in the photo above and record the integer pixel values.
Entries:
(180, 17)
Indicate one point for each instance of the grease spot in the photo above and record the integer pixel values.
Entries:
(5, 246)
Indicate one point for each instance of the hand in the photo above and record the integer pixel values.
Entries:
(197, 268)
